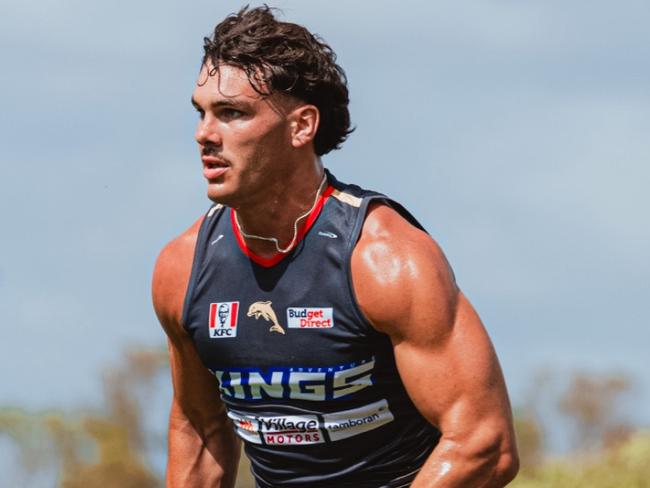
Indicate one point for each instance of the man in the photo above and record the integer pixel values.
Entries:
(328, 320)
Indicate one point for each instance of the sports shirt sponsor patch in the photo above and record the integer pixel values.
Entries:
(310, 428)
(309, 383)
(310, 317)
(223, 320)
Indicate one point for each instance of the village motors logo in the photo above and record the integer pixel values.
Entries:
(310, 318)
(223, 320)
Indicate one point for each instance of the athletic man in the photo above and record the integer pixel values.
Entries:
(315, 320)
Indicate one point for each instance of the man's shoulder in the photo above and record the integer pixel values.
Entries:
(181, 244)
(388, 230)
(397, 266)
(172, 273)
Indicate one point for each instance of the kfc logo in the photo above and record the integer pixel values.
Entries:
(223, 320)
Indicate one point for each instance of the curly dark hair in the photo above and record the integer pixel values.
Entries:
(285, 57)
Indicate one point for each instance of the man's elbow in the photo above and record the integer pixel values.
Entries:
(498, 451)
(505, 460)
(507, 467)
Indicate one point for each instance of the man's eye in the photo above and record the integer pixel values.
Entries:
(231, 113)
(201, 113)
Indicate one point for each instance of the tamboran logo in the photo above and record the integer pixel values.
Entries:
(223, 320)
(310, 318)
(264, 310)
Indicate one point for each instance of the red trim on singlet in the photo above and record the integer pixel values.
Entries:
(272, 261)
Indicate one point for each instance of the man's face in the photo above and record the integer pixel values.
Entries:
(244, 138)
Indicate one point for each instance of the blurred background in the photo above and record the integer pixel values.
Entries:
(517, 132)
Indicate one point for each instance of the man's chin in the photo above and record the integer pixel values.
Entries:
(218, 194)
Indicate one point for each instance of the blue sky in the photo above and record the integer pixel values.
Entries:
(517, 132)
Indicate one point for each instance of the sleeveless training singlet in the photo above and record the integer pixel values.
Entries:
(311, 387)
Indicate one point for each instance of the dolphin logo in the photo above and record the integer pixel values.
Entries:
(264, 310)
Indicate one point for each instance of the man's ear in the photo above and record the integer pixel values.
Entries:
(304, 124)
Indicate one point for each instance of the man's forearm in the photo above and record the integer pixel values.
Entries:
(197, 460)
(454, 464)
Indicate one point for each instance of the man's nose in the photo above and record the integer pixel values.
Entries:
(207, 131)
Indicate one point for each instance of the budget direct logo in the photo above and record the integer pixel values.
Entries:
(223, 320)
(310, 318)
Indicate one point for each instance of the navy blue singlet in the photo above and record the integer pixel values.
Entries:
(310, 386)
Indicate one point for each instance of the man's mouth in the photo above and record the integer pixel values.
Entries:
(213, 167)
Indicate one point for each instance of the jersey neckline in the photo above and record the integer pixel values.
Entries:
(302, 231)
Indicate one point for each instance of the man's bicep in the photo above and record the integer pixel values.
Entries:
(203, 448)
(444, 357)
(194, 385)
(455, 380)
(195, 388)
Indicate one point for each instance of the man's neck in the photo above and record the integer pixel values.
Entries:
(276, 215)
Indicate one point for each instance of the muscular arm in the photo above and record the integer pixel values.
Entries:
(203, 449)
(443, 354)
